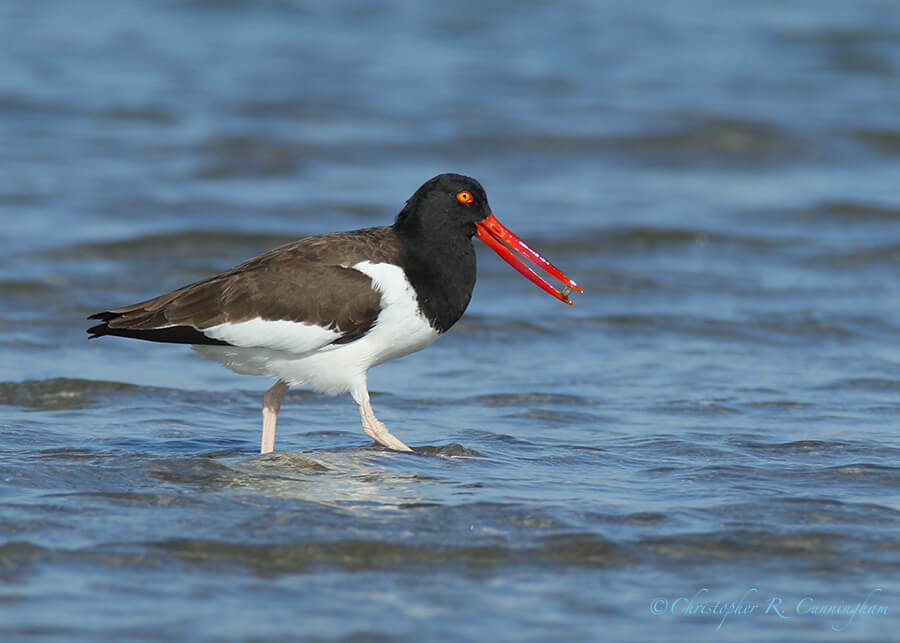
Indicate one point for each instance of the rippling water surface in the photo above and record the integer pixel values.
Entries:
(705, 447)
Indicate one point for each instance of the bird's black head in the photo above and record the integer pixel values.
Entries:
(447, 204)
(436, 228)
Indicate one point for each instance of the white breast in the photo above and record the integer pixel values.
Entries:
(400, 328)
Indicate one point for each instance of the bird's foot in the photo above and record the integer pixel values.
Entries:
(379, 432)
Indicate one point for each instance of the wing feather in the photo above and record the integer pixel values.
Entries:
(309, 281)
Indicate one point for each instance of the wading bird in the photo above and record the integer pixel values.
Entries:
(321, 311)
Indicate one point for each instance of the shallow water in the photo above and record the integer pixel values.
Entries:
(716, 419)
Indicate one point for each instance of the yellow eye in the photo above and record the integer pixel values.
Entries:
(464, 197)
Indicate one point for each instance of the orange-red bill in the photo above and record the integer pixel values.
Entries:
(495, 234)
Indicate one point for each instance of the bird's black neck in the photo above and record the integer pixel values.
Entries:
(440, 265)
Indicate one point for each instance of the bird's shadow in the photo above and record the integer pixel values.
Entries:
(452, 450)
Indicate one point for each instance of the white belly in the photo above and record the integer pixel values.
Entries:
(302, 355)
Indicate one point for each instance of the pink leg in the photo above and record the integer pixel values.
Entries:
(271, 405)
(372, 426)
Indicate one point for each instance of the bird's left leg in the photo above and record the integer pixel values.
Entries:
(271, 406)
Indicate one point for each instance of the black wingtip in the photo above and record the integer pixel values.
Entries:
(100, 329)
(170, 335)
(96, 331)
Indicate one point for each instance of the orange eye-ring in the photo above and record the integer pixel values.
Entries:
(464, 197)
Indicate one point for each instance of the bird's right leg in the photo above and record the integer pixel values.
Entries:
(372, 426)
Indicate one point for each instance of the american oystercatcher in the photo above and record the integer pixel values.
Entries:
(321, 311)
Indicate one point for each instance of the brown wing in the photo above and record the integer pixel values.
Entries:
(310, 281)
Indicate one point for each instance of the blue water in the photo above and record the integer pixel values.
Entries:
(704, 447)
